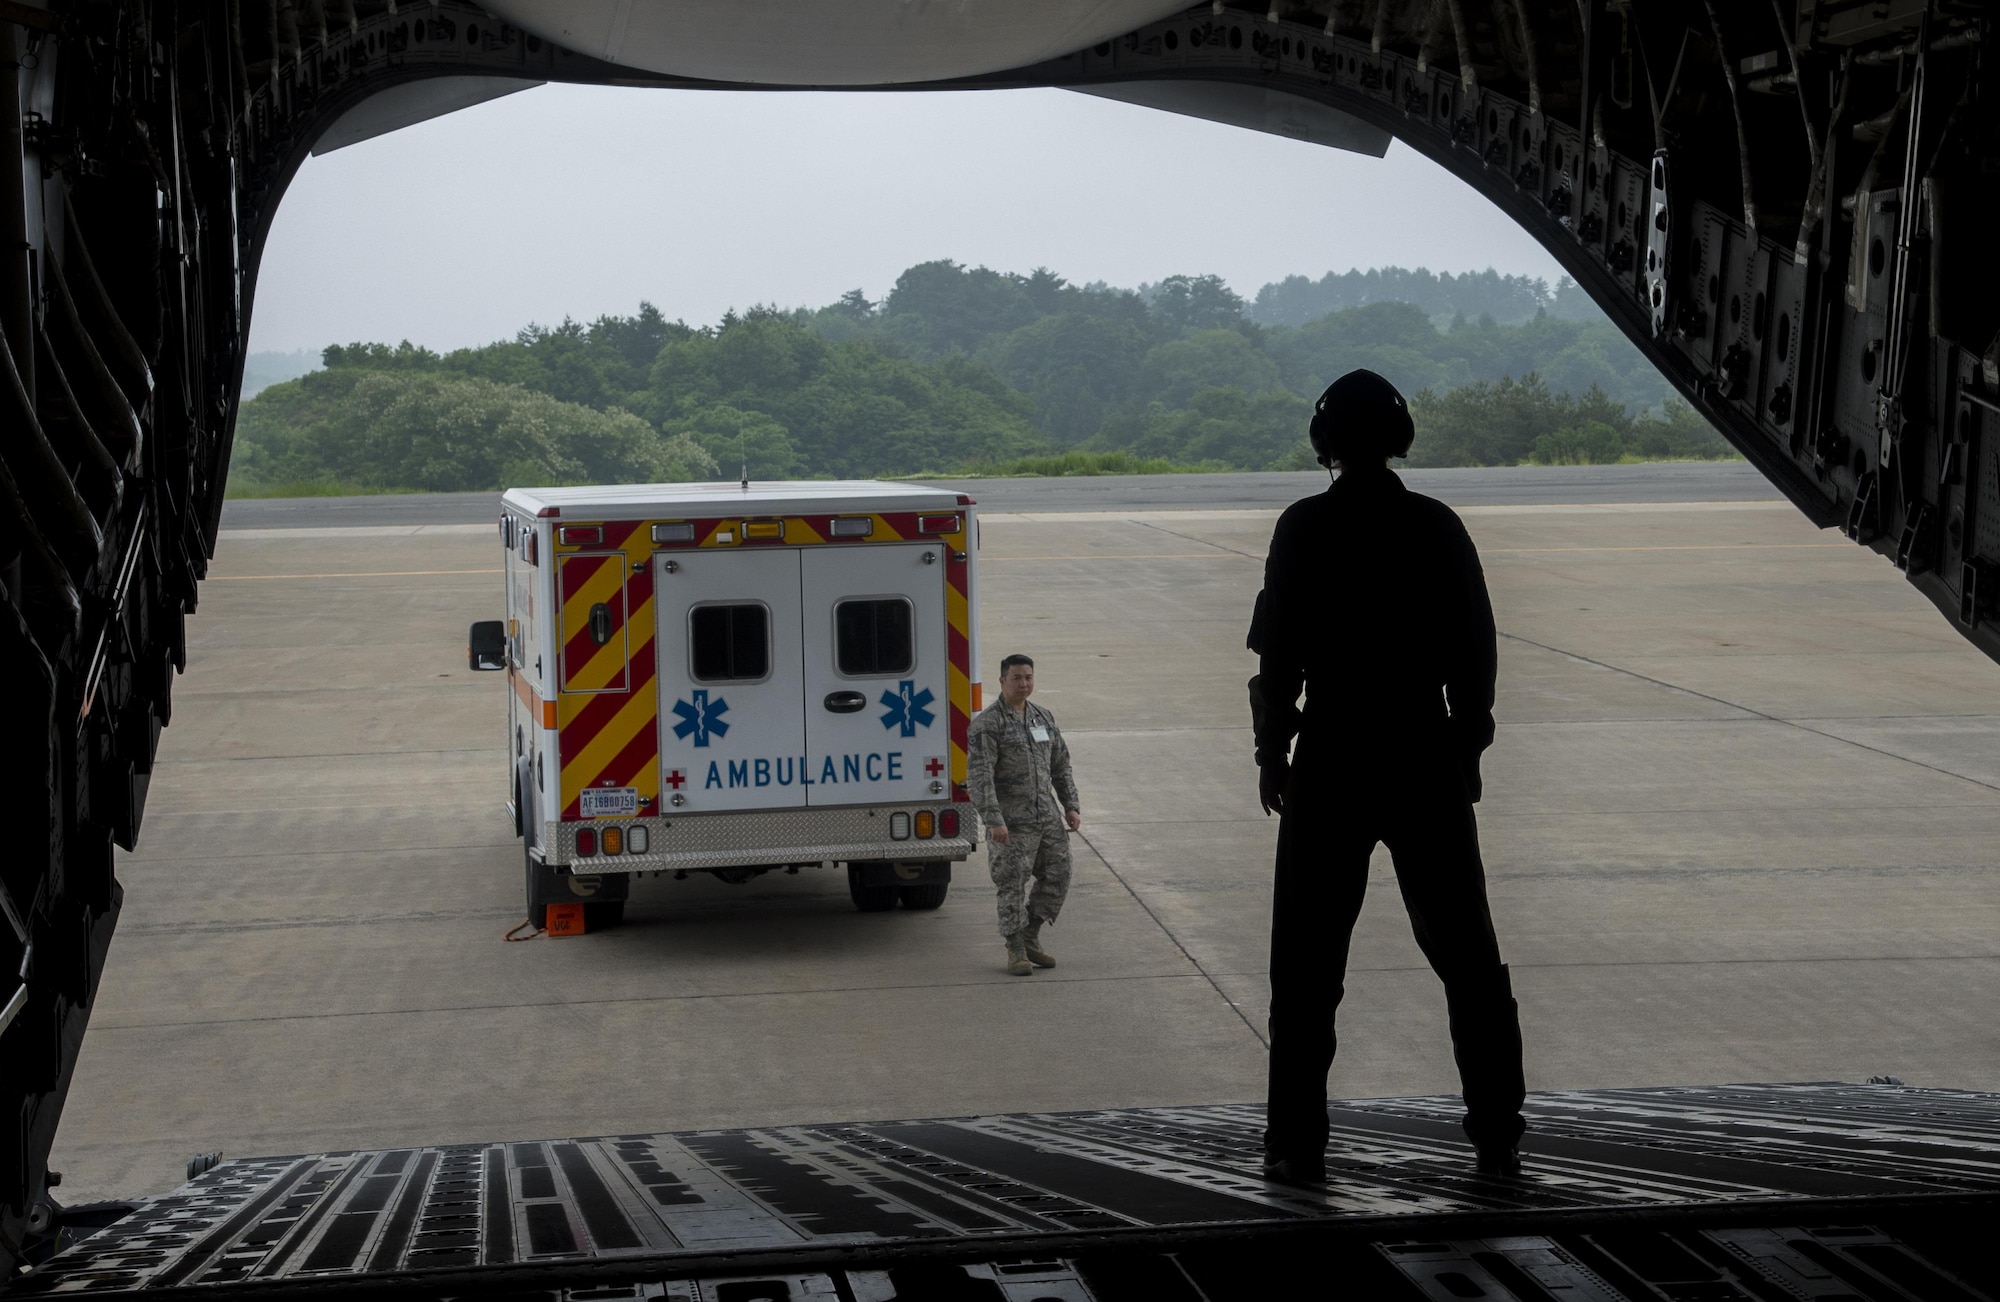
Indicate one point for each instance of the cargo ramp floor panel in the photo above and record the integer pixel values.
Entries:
(1770, 1192)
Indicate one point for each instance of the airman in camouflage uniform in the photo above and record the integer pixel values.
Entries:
(1018, 773)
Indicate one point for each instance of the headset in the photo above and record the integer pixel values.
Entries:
(1360, 415)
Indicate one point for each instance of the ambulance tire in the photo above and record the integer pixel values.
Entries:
(929, 895)
(870, 899)
(604, 915)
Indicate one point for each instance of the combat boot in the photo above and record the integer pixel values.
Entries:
(1017, 956)
(1031, 945)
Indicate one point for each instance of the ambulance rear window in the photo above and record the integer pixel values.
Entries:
(730, 644)
(874, 637)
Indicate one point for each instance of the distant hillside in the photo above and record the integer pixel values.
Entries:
(959, 368)
(1091, 357)
(1509, 300)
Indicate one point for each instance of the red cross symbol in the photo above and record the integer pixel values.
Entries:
(933, 766)
(676, 779)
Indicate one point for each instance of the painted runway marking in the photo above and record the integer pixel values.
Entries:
(356, 574)
(1483, 551)
(1677, 547)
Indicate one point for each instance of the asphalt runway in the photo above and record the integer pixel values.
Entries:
(1681, 481)
(1739, 826)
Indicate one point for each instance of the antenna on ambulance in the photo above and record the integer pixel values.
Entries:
(746, 476)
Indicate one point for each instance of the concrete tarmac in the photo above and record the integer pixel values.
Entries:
(1739, 825)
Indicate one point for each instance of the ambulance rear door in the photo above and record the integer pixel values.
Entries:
(877, 681)
(732, 726)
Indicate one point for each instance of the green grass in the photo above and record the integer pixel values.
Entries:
(242, 487)
(1639, 459)
(1057, 465)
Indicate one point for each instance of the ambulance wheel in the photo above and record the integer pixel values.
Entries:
(870, 899)
(926, 896)
(603, 916)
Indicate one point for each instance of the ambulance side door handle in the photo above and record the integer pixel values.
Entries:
(846, 702)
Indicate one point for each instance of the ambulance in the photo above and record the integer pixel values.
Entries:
(735, 679)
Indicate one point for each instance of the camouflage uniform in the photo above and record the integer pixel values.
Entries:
(1010, 776)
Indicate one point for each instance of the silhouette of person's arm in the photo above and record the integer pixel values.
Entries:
(1472, 661)
(1274, 692)
(1260, 621)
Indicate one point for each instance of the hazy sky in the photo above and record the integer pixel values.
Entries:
(580, 201)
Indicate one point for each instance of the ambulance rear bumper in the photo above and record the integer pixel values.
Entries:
(758, 839)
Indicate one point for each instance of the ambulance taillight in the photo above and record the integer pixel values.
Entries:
(926, 825)
(586, 843)
(948, 823)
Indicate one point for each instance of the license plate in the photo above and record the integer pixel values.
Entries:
(610, 802)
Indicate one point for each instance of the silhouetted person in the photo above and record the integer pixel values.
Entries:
(1375, 605)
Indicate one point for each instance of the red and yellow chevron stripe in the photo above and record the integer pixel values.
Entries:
(607, 712)
(958, 620)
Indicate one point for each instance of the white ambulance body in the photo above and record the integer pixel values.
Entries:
(733, 679)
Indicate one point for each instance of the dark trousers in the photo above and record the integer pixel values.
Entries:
(1333, 819)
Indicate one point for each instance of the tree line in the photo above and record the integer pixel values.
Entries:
(959, 370)
(1295, 300)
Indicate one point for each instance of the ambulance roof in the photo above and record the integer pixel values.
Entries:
(770, 497)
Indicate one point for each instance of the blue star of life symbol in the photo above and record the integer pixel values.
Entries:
(906, 708)
(701, 717)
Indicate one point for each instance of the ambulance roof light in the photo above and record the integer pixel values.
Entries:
(677, 531)
(548, 513)
(963, 500)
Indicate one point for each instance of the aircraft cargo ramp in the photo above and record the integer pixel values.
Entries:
(1821, 1191)
(1778, 204)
